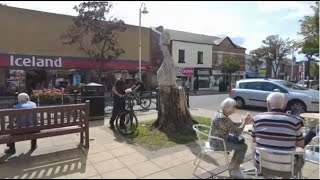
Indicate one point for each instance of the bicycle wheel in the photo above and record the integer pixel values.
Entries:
(130, 123)
(145, 102)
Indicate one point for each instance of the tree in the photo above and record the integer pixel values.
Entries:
(309, 29)
(254, 63)
(314, 70)
(274, 50)
(173, 113)
(230, 65)
(94, 34)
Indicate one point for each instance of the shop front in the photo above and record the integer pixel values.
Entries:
(219, 78)
(32, 72)
(185, 74)
(202, 75)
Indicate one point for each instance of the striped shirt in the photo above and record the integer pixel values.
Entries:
(277, 130)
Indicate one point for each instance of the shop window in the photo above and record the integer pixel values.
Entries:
(16, 80)
(181, 56)
(200, 57)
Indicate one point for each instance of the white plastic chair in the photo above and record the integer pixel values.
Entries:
(276, 160)
(204, 138)
(311, 154)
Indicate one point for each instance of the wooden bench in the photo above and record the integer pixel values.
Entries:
(52, 121)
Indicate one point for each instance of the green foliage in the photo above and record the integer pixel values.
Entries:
(254, 63)
(155, 140)
(314, 70)
(230, 65)
(95, 35)
(274, 50)
(46, 97)
(309, 29)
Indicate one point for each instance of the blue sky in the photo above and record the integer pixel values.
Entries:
(247, 23)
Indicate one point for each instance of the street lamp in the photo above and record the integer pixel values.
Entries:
(293, 62)
(144, 11)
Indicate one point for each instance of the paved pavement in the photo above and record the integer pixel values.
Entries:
(112, 156)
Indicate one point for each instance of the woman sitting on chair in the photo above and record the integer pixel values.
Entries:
(223, 127)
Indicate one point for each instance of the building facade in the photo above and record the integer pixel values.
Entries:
(31, 52)
(192, 58)
(221, 49)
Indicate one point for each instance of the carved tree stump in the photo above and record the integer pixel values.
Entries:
(173, 113)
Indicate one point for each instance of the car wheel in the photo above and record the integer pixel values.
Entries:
(240, 103)
(297, 105)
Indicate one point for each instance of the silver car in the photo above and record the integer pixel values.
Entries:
(254, 92)
(313, 84)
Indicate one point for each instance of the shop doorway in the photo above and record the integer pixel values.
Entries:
(36, 79)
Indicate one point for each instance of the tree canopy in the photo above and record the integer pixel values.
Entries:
(95, 35)
(274, 50)
(309, 29)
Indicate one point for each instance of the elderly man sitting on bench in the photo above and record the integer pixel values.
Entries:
(23, 102)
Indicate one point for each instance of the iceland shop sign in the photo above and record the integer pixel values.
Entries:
(34, 61)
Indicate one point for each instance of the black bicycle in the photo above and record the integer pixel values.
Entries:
(130, 120)
(143, 99)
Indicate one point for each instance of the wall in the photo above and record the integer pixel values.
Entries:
(227, 48)
(31, 32)
(191, 54)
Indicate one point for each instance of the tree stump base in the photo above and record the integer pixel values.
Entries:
(173, 113)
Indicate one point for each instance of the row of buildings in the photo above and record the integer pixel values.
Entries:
(32, 54)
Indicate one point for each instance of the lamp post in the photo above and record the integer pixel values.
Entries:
(293, 62)
(144, 11)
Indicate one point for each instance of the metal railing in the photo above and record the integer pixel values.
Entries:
(9, 101)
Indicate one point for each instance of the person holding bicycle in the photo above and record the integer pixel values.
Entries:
(119, 103)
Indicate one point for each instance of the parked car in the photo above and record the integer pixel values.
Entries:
(254, 92)
(313, 84)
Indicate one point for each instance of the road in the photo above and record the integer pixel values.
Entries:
(212, 103)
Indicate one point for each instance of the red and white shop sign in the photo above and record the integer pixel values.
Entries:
(187, 72)
(33, 61)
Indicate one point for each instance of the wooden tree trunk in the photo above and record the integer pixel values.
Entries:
(173, 113)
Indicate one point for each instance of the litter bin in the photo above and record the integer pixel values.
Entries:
(95, 93)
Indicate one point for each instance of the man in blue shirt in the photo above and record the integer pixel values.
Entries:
(23, 103)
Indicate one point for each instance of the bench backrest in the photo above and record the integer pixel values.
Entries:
(43, 118)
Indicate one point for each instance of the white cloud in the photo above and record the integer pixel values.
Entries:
(275, 6)
(291, 9)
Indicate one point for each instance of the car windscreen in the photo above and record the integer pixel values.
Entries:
(291, 85)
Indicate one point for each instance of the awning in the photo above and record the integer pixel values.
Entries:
(253, 75)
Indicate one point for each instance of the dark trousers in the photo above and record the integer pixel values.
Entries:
(33, 144)
(311, 134)
(119, 105)
(13, 146)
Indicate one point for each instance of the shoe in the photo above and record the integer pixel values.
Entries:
(34, 147)
(238, 174)
(10, 151)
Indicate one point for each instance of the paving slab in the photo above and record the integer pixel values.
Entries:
(123, 173)
(144, 168)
